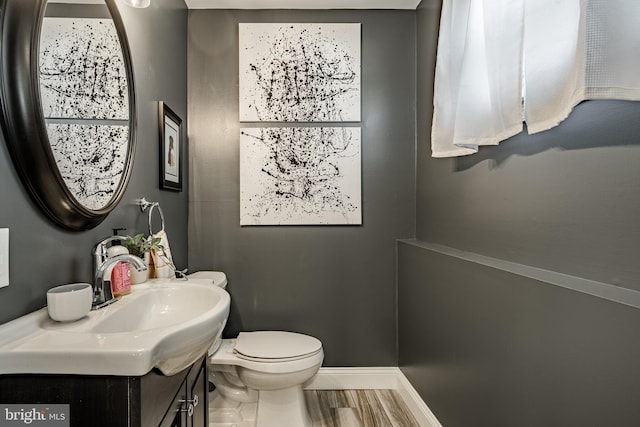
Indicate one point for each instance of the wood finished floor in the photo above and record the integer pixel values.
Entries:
(358, 408)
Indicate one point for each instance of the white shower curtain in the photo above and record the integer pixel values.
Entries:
(502, 62)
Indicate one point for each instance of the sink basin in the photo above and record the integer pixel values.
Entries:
(159, 308)
(163, 324)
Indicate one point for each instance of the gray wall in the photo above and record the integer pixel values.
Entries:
(566, 200)
(43, 255)
(486, 347)
(334, 282)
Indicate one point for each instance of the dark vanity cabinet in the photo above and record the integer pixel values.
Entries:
(152, 400)
(189, 407)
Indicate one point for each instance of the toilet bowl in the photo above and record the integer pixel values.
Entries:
(267, 368)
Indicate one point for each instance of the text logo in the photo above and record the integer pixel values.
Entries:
(34, 415)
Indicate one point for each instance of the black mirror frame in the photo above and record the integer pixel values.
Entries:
(23, 119)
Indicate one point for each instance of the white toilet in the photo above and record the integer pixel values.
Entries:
(265, 367)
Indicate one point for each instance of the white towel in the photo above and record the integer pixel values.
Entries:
(162, 260)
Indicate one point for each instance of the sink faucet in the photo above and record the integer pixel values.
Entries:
(100, 250)
(102, 294)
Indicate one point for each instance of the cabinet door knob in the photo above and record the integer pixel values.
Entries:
(193, 401)
(189, 409)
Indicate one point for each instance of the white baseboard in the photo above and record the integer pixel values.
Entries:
(375, 378)
(416, 405)
(354, 379)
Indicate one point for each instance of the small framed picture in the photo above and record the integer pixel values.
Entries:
(170, 148)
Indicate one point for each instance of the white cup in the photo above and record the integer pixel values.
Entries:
(67, 303)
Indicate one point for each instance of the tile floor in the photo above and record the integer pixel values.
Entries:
(333, 408)
(358, 408)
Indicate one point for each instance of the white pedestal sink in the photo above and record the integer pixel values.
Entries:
(164, 324)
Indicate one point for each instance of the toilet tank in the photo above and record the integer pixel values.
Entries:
(217, 278)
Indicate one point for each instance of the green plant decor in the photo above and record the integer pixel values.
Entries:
(138, 245)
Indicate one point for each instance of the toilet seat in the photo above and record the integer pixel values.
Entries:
(227, 355)
(275, 346)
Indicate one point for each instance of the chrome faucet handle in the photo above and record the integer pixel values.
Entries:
(100, 250)
(101, 247)
(102, 293)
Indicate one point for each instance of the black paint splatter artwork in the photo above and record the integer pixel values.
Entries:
(85, 101)
(82, 73)
(300, 72)
(302, 175)
(90, 159)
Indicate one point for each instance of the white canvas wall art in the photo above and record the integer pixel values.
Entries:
(85, 101)
(300, 72)
(300, 176)
(82, 71)
(91, 159)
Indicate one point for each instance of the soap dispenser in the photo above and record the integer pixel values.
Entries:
(121, 272)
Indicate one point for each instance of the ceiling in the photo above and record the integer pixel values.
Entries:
(302, 4)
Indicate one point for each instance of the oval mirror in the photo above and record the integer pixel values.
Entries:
(68, 108)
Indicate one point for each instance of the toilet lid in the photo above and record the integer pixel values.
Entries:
(275, 345)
